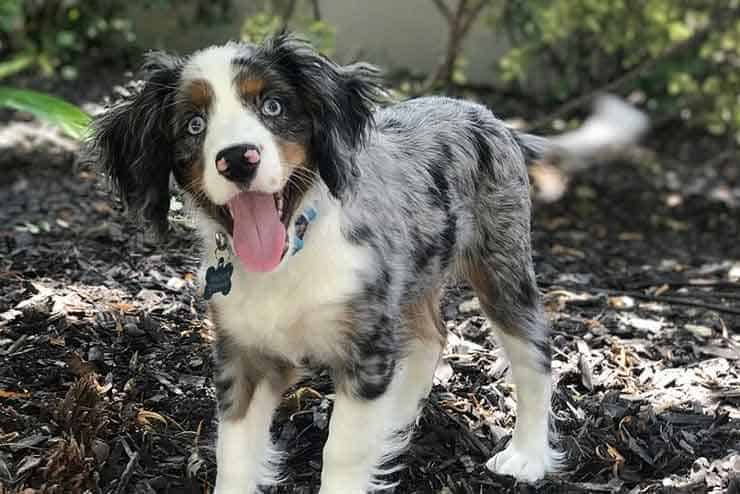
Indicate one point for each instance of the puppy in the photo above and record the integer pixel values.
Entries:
(330, 225)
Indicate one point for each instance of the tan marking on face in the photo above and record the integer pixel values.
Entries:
(199, 93)
(292, 153)
(423, 317)
(294, 161)
(194, 178)
(251, 88)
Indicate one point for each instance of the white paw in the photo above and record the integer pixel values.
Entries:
(529, 466)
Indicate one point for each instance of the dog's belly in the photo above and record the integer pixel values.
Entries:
(300, 309)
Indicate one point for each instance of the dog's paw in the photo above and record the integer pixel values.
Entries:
(529, 466)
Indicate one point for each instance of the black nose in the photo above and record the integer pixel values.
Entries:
(238, 163)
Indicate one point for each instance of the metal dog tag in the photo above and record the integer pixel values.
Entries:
(218, 278)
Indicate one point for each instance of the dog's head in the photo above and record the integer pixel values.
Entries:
(244, 129)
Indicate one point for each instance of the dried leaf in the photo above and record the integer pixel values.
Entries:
(631, 236)
(4, 393)
(586, 373)
(79, 366)
(718, 351)
(561, 250)
(734, 273)
(28, 463)
(443, 373)
(621, 302)
(145, 417)
(698, 330)
(651, 325)
(472, 305)
(57, 341)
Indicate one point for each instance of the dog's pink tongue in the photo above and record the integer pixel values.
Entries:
(259, 236)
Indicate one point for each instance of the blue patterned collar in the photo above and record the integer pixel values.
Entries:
(308, 216)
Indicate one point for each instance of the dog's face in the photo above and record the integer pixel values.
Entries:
(245, 130)
(242, 126)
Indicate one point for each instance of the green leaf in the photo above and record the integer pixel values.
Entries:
(15, 65)
(70, 118)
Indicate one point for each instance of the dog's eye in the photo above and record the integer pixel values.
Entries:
(271, 107)
(196, 125)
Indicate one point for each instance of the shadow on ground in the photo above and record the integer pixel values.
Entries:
(105, 367)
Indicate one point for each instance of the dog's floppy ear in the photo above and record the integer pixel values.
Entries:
(347, 112)
(133, 141)
(341, 101)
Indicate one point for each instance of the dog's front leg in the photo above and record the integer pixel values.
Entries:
(376, 407)
(358, 435)
(243, 452)
(249, 386)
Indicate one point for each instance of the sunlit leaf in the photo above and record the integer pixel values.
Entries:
(15, 65)
(68, 117)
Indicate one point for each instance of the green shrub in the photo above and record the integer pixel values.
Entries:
(53, 36)
(321, 34)
(589, 43)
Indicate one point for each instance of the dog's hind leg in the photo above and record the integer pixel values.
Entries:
(366, 432)
(518, 321)
(501, 272)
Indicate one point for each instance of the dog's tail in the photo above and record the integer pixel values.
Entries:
(614, 124)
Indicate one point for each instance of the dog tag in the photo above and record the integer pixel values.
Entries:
(218, 279)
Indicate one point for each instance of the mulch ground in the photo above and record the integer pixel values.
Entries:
(105, 364)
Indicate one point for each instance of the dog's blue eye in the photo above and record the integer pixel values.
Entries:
(271, 107)
(196, 125)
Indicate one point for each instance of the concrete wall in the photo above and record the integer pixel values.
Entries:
(406, 34)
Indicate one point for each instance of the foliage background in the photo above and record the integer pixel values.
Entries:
(662, 220)
(677, 59)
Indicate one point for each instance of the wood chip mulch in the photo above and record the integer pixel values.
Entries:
(105, 365)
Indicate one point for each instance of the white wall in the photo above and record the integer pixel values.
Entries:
(391, 33)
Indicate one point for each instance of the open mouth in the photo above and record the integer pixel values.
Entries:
(259, 227)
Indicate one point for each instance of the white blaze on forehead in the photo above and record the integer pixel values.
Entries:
(231, 123)
(213, 64)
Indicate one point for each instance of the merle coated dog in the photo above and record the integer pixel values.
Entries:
(346, 215)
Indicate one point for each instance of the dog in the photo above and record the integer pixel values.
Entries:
(331, 220)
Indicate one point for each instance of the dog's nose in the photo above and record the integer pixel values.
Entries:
(238, 163)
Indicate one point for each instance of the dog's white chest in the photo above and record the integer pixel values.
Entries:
(297, 309)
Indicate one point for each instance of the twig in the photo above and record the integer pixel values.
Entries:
(472, 16)
(720, 157)
(668, 300)
(653, 298)
(728, 296)
(288, 14)
(16, 345)
(465, 430)
(711, 284)
(443, 9)
(459, 23)
(316, 10)
(127, 473)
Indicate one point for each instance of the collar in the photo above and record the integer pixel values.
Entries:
(300, 226)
